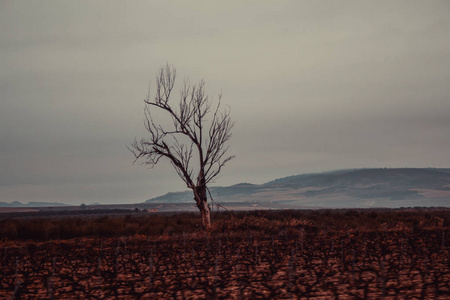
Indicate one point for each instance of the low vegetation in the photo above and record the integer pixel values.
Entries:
(264, 222)
(357, 254)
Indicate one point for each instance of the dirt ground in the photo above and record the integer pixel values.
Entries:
(235, 265)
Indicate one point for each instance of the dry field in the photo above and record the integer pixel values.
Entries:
(246, 257)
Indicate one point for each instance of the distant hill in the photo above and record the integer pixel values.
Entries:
(404, 187)
(31, 204)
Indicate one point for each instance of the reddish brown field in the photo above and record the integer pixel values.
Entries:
(282, 255)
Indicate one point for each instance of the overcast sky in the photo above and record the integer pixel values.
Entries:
(312, 85)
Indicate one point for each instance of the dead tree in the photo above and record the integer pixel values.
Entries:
(195, 141)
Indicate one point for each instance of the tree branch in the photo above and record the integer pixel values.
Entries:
(191, 134)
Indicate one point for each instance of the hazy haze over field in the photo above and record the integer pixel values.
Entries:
(313, 86)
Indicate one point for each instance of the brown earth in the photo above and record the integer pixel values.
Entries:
(249, 261)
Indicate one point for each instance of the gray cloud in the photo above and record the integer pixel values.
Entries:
(313, 86)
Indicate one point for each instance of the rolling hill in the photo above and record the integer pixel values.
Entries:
(404, 187)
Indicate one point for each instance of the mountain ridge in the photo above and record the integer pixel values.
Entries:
(367, 187)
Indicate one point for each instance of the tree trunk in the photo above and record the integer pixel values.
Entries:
(202, 204)
(206, 215)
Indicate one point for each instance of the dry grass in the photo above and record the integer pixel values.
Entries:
(351, 254)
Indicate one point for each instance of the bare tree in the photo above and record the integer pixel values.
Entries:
(195, 141)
